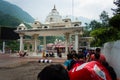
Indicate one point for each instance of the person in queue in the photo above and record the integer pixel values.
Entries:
(98, 53)
(93, 70)
(80, 60)
(68, 64)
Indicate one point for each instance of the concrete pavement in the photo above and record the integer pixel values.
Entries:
(12, 60)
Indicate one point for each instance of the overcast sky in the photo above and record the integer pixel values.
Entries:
(91, 9)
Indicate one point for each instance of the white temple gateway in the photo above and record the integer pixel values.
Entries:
(54, 26)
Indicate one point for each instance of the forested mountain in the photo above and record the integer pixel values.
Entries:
(10, 10)
(8, 21)
(10, 17)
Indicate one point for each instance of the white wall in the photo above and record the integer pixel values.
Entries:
(112, 54)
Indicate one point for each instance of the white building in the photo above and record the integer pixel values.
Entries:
(54, 26)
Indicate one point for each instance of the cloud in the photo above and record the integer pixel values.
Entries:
(92, 8)
(86, 8)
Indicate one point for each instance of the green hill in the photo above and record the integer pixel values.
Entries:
(8, 21)
(14, 11)
(10, 17)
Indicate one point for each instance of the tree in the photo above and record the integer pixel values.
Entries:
(104, 17)
(117, 10)
(87, 30)
(115, 21)
(99, 38)
(103, 35)
(94, 24)
(101, 31)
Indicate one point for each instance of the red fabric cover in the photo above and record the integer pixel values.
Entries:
(89, 71)
(78, 63)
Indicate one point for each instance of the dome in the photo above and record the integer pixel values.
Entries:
(53, 16)
(21, 27)
(36, 24)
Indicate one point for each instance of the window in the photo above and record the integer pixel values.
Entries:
(66, 20)
(19, 28)
(45, 27)
(76, 25)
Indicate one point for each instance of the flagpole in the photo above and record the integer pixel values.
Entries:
(72, 9)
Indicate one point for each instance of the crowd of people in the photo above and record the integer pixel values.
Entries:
(84, 65)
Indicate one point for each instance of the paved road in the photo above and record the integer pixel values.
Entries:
(24, 68)
(7, 60)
